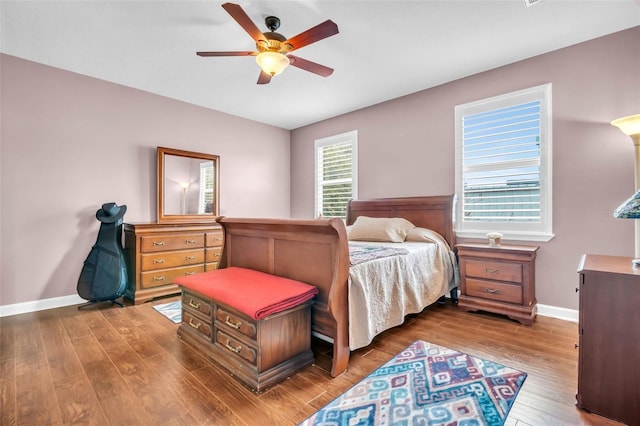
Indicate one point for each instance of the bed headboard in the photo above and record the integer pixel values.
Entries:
(435, 212)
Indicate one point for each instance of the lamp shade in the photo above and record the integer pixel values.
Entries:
(629, 125)
(273, 63)
(630, 209)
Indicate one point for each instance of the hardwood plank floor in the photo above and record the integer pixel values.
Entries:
(113, 366)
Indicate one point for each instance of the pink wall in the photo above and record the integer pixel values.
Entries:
(406, 148)
(71, 143)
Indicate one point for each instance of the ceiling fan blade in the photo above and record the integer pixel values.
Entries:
(307, 65)
(247, 53)
(243, 19)
(264, 78)
(320, 31)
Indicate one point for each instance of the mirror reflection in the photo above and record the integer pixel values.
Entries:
(187, 185)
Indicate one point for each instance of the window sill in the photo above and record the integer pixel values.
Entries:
(508, 236)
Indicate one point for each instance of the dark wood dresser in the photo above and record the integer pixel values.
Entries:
(157, 253)
(498, 279)
(609, 338)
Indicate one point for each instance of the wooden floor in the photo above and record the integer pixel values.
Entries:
(125, 366)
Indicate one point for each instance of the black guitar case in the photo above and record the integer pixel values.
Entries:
(104, 274)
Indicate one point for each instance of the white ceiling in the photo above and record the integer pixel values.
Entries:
(385, 49)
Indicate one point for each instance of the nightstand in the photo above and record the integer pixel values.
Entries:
(498, 279)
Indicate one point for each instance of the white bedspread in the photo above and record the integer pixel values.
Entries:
(383, 291)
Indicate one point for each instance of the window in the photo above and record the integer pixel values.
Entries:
(503, 165)
(205, 204)
(336, 174)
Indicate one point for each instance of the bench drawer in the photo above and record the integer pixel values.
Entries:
(234, 322)
(203, 327)
(235, 347)
(195, 303)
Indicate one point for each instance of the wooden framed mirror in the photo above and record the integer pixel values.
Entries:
(188, 184)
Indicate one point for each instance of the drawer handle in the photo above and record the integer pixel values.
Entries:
(196, 326)
(216, 255)
(231, 348)
(193, 304)
(217, 239)
(190, 257)
(189, 241)
(158, 260)
(160, 278)
(235, 325)
(158, 243)
(491, 290)
(190, 273)
(491, 271)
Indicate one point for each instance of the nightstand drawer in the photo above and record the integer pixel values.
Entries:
(492, 290)
(501, 271)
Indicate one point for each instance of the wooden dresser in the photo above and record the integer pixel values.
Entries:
(498, 279)
(609, 338)
(157, 253)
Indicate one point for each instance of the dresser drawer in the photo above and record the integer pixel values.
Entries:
(211, 266)
(195, 303)
(171, 259)
(155, 243)
(502, 292)
(214, 238)
(213, 254)
(502, 271)
(166, 276)
(200, 325)
(230, 321)
(234, 346)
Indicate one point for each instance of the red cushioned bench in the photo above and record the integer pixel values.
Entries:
(255, 325)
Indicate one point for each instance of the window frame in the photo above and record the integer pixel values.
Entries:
(536, 231)
(351, 137)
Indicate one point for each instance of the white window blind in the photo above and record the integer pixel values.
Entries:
(503, 176)
(335, 168)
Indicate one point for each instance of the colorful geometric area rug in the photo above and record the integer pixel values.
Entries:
(171, 310)
(427, 384)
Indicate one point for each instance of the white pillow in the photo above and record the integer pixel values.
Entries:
(386, 229)
(426, 235)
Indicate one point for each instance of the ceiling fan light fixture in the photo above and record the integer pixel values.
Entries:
(272, 63)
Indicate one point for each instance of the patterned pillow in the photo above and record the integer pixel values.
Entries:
(386, 229)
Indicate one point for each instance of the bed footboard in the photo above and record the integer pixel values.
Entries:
(312, 251)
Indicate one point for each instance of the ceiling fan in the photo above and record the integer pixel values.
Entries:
(273, 49)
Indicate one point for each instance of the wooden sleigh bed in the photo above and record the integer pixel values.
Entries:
(317, 252)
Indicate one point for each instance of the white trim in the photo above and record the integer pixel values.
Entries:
(508, 235)
(558, 312)
(40, 305)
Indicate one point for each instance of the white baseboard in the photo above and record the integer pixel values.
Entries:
(556, 312)
(74, 299)
(40, 305)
